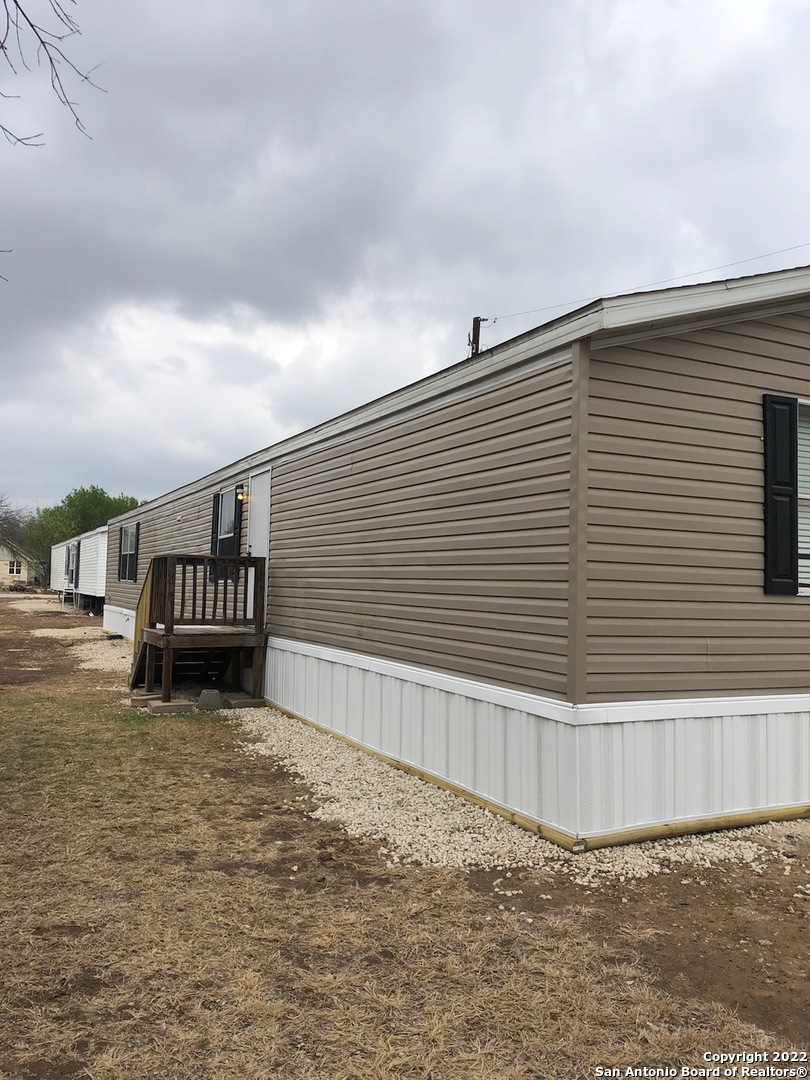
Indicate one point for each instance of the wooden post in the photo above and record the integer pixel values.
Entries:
(258, 596)
(182, 590)
(168, 615)
(475, 336)
(206, 572)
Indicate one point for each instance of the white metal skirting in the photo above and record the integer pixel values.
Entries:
(586, 772)
(118, 620)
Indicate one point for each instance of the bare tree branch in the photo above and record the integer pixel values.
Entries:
(13, 521)
(24, 39)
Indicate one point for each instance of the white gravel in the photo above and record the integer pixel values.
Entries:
(93, 649)
(70, 633)
(419, 823)
(39, 602)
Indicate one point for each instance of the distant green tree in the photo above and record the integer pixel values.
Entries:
(87, 508)
(80, 511)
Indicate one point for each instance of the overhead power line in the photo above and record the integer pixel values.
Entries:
(650, 284)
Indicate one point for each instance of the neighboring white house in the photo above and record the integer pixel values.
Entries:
(79, 569)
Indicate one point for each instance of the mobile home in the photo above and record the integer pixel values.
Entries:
(569, 576)
(79, 569)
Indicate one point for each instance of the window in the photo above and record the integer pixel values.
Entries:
(14, 567)
(226, 529)
(803, 492)
(787, 495)
(71, 564)
(128, 558)
(226, 522)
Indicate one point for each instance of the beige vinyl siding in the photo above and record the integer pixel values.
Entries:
(440, 540)
(675, 555)
(182, 527)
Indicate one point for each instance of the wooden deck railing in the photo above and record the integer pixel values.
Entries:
(201, 590)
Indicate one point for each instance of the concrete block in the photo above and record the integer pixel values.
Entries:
(171, 706)
(141, 700)
(209, 700)
(231, 702)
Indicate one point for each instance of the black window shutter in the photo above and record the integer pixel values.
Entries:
(780, 417)
(215, 527)
(122, 572)
(76, 565)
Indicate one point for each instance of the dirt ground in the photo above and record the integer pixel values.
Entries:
(169, 909)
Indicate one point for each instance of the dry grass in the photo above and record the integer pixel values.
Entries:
(170, 911)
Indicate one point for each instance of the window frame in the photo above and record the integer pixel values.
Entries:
(227, 542)
(802, 495)
(231, 541)
(227, 505)
(71, 553)
(128, 540)
(15, 568)
(786, 476)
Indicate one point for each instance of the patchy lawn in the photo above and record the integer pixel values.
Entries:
(169, 910)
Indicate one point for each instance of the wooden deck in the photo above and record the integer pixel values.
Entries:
(199, 604)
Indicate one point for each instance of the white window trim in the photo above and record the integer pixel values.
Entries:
(129, 546)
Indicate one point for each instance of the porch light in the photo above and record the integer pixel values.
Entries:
(241, 494)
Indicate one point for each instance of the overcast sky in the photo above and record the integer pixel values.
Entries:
(287, 208)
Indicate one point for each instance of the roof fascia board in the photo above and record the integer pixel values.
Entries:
(608, 339)
(90, 532)
(620, 312)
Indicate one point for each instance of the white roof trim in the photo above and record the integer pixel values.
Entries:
(686, 301)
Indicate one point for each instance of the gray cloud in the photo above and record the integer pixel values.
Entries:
(304, 204)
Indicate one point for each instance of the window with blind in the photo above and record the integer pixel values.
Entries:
(803, 492)
(787, 494)
(128, 553)
(226, 527)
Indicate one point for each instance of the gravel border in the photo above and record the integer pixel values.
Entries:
(419, 823)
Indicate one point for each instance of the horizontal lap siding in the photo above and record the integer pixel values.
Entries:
(675, 555)
(439, 541)
(92, 563)
(182, 527)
